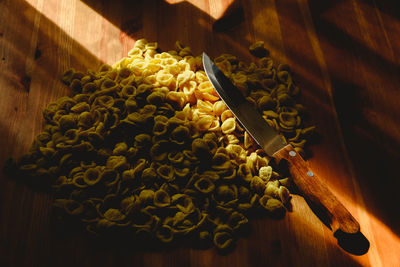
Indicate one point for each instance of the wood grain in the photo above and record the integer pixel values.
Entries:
(345, 56)
(316, 193)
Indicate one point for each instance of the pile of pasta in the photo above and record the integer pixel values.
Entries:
(147, 148)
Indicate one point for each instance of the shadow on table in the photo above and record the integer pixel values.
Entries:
(371, 147)
(181, 21)
(133, 19)
(30, 78)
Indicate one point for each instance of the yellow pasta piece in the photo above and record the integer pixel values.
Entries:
(219, 107)
(204, 123)
(77, 180)
(161, 198)
(166, 172)
(180, 135)
(165, 233)
(231, 139)
(204, 106)
(92, 176)
(257, 184)
(138, 66)
(148, 175)
(109, 177)
(265, 173)
(153, 79)
(165, 79)
(271, 204)
(226, 115)
(226, 193)
(160, 128)
(204, 185)
(185, 77)
(223, 238)
(130, 205)
(206, 87)
(271, 189)
(237, 220)
(175, 157)
(283, 194)
(221, 161)
(228, 126)
(120, 149)
(177, 98)
(114, 215)
(215, 126)
(141, 43)
(72, 207)
(146, 196)
(189, 89)
(258, 49)
(158, 151)
(200, 148)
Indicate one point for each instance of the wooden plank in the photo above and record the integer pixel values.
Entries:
(345, 58)
(346, 62)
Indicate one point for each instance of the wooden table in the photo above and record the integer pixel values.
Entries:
(345, 56)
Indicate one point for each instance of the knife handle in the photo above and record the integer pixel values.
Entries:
(317, 193)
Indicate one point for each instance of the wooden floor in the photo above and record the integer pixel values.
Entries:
(345, 56)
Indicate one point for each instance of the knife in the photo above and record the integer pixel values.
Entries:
(314, 190)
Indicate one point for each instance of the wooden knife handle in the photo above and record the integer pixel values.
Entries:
(317, 193)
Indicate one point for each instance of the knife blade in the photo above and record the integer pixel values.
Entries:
(313, 189)
(265, 136)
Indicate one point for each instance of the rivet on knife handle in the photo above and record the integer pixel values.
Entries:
(315, 191)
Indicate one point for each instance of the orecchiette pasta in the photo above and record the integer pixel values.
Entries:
(146, 146)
